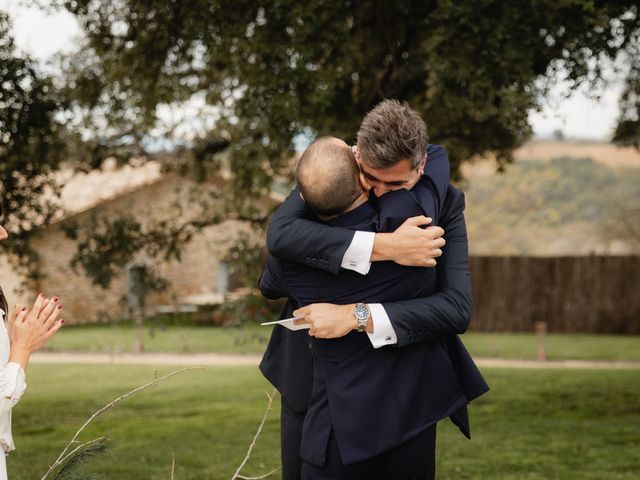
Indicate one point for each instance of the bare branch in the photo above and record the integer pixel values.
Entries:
(63, 454)
(261, 476)
(255, 438)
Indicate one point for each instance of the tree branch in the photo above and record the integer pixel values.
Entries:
(63, 454)
(253, 443)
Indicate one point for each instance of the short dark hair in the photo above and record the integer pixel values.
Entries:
(327, 175)
(3, 300)
(392, 132)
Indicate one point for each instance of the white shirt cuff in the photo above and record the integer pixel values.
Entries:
(358, 255)
(383, 332)
(13, 384)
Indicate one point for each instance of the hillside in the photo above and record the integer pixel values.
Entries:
(565, 204)
(601, 153)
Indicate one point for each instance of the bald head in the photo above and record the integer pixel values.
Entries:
(328, 176)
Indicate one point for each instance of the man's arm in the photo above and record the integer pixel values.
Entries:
(448, 310)
(272, 284)
(438, 170)
(294, 234)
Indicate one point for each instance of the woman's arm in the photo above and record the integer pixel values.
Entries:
(27, 331)
(12, 386)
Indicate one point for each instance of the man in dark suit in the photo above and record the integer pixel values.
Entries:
(287, 362)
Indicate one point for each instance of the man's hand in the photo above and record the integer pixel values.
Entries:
(327, 320)
(410, 245)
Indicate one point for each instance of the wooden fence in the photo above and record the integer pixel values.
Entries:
(589, 294)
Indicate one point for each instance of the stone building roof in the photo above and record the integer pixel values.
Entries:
(83, 191)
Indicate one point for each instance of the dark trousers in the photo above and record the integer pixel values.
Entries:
(413, 460)
(290, 437)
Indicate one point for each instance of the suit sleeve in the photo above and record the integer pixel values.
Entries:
(272, 283)
(438, 169)
(448, 310)
(294, 234)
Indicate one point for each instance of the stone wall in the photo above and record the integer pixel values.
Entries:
(196, 274)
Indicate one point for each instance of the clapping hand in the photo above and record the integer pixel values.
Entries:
(29, 329)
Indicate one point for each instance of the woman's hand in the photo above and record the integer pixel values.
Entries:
(29, 330)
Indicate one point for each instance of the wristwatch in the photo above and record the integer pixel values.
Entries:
(362, 314)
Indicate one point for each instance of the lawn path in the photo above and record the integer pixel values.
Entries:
(203, 359)
(224, 359)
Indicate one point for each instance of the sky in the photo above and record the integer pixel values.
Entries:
(43, 34)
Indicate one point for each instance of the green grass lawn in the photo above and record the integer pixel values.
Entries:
(121, 338)
(533, 424)
(206, 417)
(559, 346)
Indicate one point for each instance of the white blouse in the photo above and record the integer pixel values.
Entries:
(12, 386)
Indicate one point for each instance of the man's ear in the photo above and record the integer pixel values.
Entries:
(422, 164)
(356, 153)
(363, 182)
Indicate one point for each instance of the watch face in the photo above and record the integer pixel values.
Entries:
(361, 312)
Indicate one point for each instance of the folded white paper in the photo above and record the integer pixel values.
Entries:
(288, 323)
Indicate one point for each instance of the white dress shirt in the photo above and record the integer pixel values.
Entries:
(12, 386)
(358, 258)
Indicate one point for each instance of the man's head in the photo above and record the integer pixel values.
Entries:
(392, 146)
(329, 177)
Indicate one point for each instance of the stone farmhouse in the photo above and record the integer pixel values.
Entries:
(200, 278)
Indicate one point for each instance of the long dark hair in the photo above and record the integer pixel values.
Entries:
(3, 299)
(3, 303)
